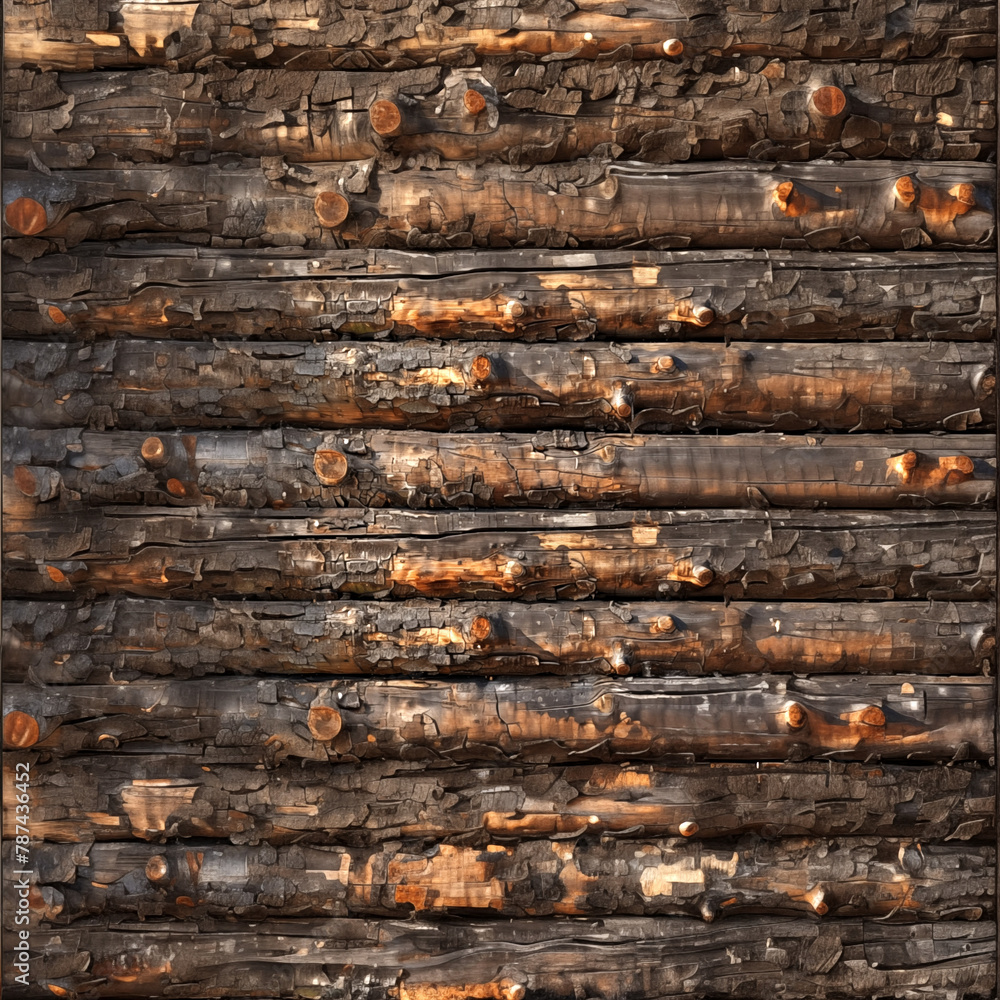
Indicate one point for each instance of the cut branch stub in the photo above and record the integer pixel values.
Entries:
(385, 118)
(673, 47)
(26, 216)
(331, 208)
(474, 102)
(829, 101)
(20, 730)
(906, 191)
(153, 452)
(324, 722)
(330, 466)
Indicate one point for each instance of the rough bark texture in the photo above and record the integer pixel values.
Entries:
(618, 958)
(286, 467)
(117, 290)
(664, 110)
(156, 798)
(592, 203)
(109, 33)
(900, 717)
(850, 877)
(515, 555)
(153, 385)
(115, 641)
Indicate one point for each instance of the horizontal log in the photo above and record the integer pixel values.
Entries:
(194, 553)
(288, 467)
(877, 205)
(850, 877)
(369, 35)
(664, 110)
(113, 290)
(617, 958)
(154, 385)
(114, 641)
(156, 798)
(772, 717)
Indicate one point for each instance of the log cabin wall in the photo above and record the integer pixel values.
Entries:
(500, 499)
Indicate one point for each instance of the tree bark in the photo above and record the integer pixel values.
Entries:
(111, 290)
(119, 640)
(878, 205)
(535, 720)
(850, 877)
(618, 958)
(154, 385)
(661, 111)
(288, 467)
(515, 555)
(111, 797)
(107, 33)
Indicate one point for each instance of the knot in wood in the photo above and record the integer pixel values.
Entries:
(903, 465)
(176, 488)
(673, 47)
(481, 368)
(153, 452)
(795, 715)
(26, 216)
(784, 193)
(688, 828)
(702, 575)
(57, 315)
(331, 208)
(324, 722)
(514, 308)
(872, 716)
(964, 194)
(988, 384)
(815, 898)
(905, 191)
(474, 102)
(20, 730)
(665, 363)
(829, 101)
(56, 575)
(703, 315)
(481, 628)
(511, 990)
(107, 741)
(330, 466)
(385, 117)
(156, 868)
(665, 623)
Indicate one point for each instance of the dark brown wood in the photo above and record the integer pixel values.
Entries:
(111, 797)
(367, 34)
(509, 555)
(535, 720)
(287, 467)
(664, 110)
(878, 205)
(153, 385)
(618, 958)
(112, 289)
(893, 879)
(120, 640)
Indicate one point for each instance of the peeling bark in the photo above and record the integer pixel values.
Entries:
(110, 33)
(878, 205)
(155, 798)
(618, 958)
(116, 641)
(663, 111)
(894, 879)
(114, 290)
(535, 720)
(287, 467)
(518, 555)
(153, 385)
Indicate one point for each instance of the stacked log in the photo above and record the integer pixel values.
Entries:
(500, 501)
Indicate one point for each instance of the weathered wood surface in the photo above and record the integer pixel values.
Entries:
(110, 33)
(664, 110)
(156, 798)
(901, 880)
(117, 290)
(288, 467)
(851, 717)
(666, 386)
(618, 958)
(516, 555)
(115, 641)
(878, 205)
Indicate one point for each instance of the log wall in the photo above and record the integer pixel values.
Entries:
(500, 501)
